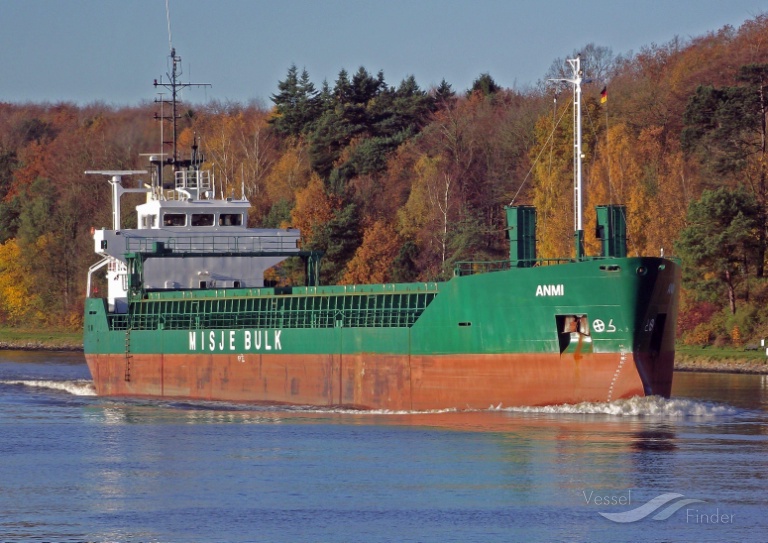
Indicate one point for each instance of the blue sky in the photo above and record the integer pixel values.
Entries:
(111, 50)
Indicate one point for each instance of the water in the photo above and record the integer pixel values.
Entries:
(75, 467)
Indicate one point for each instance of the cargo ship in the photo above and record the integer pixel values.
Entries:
(188, 314)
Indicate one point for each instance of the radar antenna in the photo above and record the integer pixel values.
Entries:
(174, 86)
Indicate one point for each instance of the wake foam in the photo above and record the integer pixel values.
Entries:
(352, 411)
(646, 406)
(638, 406)
(80, 387)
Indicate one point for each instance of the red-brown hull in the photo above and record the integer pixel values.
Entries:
(378, 381)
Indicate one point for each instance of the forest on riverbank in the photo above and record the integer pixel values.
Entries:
(394, 182)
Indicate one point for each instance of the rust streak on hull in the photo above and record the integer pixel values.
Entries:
(371, 381)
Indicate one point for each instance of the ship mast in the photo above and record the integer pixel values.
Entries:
(174, 86)
(578, 203)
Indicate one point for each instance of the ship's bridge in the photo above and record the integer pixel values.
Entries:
(190, 203)
(180, 214)
(186, 239)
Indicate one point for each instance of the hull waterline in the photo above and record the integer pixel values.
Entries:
(377, 382)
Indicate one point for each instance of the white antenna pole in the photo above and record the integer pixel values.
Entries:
(168, 18)
(242, 181)
(578, 203)
(116, 180)
(213, 179)
(577, 154)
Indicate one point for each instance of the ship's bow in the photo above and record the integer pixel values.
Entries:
(656, 324)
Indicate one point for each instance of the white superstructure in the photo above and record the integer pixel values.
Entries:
(187, 238)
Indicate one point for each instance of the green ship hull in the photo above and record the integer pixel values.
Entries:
(594, 330)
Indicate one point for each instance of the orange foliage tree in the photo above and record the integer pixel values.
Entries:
(314, 208)
(289, 175)
(373, 260)
(553, 184)
(17, 299)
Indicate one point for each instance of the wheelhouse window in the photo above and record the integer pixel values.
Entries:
(230, 219)
(148, 221)
(174, 219)
(202, 219)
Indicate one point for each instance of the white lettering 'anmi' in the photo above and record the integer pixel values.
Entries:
(550, 290)
(232, 340)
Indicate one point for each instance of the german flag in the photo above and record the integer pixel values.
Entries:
(604, 95)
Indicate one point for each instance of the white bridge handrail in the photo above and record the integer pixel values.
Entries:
(215, 244)
(100, 264)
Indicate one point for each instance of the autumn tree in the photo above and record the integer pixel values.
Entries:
(290, 174)
(647, 174)
(328, 226)
(9, 206)
(468, 142)
(17, 297)
(373, 260)
(239, 149)
(552, 159)
(659, 197)
(314, 208)
(426, 218)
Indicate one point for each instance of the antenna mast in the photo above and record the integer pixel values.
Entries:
(578, 203)
(174, 86)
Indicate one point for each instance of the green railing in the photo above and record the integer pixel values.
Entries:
(366, 310)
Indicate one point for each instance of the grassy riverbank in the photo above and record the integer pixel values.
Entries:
(728, 360)
(50, 340)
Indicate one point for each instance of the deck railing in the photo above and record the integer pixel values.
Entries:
(472, 268)
(212, 244)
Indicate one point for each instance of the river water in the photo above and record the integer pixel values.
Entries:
(75, 467)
